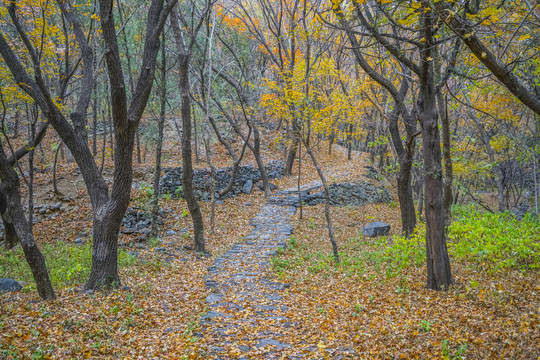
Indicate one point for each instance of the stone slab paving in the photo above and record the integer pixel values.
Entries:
(247, 318)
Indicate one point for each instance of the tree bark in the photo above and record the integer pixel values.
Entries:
(439, 275)
(187, 161)
(12, 213)
(447, 156)
(327, 214)
(161, 125)
(187, 165)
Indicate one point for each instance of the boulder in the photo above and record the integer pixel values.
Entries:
(9, 285)
(248, 186)
(374, 229)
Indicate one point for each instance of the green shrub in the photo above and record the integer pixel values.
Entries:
(497, 241)
(494, 241)
(68, 264)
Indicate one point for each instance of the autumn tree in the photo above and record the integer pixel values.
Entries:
(420, 63)
(108, 205)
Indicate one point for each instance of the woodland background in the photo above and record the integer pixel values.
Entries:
(441, 99)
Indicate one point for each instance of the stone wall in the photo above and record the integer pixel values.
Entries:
(341, 194)
(246, 177)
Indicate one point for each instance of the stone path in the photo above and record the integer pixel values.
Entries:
(246, 317)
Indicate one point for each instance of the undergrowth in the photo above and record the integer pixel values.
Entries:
(486, 241)
(68, 264)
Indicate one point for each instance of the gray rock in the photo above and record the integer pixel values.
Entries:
(9, 285)
(272, 342)
(56, 206)
(79, 241)
(214, 314)
(248, 186)
(376, 229)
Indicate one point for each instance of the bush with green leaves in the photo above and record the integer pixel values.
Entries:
(497, 241)
(494, 241)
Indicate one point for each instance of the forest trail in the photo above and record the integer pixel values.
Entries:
(246, 316)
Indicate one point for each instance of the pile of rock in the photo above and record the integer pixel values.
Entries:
(247, 177)
(138, 222)
(48, 211)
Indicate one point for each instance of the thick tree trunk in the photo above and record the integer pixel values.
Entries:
(12, 213)
(405, 154)
(10, 236)
(439, 275)
(406, 202)
(104, 271)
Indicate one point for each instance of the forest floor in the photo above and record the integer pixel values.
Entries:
(361, 308)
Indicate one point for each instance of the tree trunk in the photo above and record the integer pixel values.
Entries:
(55, 164)
(349, 140)
(447, 156)
(13, 214)
(326, 203)
(10, 236)
(187, 165)
(94, 115)
(195, 136)
(161, 125)
(439, 275)
(30, 182)
(406, 202)
(258, 159)
(104, 271)
(16, 125)
(292, 152)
